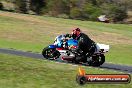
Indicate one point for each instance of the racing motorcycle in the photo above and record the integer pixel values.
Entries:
(63, 48)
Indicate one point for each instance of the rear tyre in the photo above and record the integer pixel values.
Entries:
(97, 60)
(101, 59)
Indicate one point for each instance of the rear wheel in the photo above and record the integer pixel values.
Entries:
(50, 53)
(101, 59)
(97, 60)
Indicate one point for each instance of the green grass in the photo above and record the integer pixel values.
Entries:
(33, 33)
(123, 29)
(25, 46)
(120, 54)
(22, 72)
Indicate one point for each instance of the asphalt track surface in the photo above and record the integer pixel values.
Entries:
(121, 68)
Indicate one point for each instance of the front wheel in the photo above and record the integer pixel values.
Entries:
(50, 53)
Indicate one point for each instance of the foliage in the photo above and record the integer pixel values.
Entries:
(86, 12)
(114, 11)
(75, 13)
(56, 7)
(75, 9)
(1, 6)
(21, 6)
(37, 6)
(91, 12)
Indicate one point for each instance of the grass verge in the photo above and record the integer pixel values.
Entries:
(22, 72)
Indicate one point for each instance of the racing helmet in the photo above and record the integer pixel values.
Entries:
(76, 32)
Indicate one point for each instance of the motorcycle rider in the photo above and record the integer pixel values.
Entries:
(86, 46)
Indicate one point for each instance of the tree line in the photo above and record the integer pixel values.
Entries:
(116, 10)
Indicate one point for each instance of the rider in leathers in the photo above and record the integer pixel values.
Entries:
(86, 46)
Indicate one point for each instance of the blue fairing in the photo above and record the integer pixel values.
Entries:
(72, 42)
(52, 46)
(59, 44)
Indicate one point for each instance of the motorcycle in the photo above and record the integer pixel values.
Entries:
(64, 48)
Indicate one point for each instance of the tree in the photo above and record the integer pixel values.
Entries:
(75, 9)
(115, 12)
(86, 12)
(21, 6)
(37, 6)
(90, 12)
(56, 7)
(1, 6)
(93, 2)
(75, 13)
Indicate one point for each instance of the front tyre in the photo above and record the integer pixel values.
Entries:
(50, 53)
